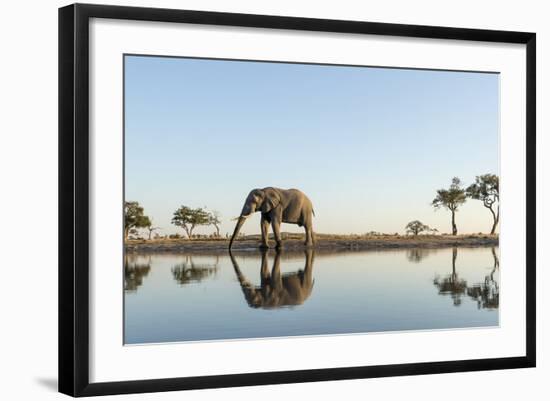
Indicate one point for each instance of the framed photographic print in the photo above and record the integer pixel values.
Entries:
(251, 199)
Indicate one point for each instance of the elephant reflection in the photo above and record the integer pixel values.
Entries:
(191, 272)
(452, 284)
(277, 290)
(134, 272)
(487, 293)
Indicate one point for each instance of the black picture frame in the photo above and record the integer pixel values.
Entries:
(74, 191)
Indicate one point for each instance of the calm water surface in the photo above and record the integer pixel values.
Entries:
(182, 297)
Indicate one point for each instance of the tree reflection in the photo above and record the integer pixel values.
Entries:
(487, 293)
(416, 255)
(191, 272)
(134, 272)
(452, 284)
(277, 290)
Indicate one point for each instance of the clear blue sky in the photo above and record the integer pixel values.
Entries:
(369, 146)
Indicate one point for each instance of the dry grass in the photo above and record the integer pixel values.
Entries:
(321, 236)
(294, 241)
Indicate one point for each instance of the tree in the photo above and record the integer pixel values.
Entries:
(451, 199)
(486, 189)
(134, 217)
(147, 223)
(416, 227)
(214, 219)
(150, 228)
(188, 219)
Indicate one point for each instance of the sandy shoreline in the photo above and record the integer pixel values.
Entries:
(323, 243)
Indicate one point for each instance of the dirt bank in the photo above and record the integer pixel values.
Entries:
(323, 243)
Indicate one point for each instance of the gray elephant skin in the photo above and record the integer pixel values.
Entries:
(277, 206)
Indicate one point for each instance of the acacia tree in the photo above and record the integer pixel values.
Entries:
(150, 228)
(214, 219)
(134, 217)
(188, 218)
(486, 189)
(451, 199)
(415, 227)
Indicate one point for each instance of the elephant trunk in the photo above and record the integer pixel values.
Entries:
(238, 226)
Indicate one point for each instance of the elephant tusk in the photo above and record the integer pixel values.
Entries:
(239, 217)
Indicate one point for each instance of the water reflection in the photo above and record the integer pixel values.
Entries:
(485, 293)
(277, 290)
(452, 284)
(204, 295)
(416, 255)
(134, 272)
(191, 272)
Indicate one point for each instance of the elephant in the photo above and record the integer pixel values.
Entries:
(277, 290)
(277, 206)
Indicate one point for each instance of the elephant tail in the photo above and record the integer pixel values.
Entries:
(313, 212)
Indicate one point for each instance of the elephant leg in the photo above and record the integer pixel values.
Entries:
(309, 235)
(276, 277)
(308, 270)
(264, 223)
(264, 272)
(276, 225)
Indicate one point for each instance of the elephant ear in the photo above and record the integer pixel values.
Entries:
(272, 199)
